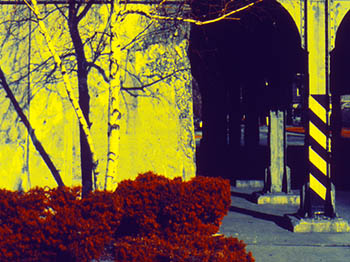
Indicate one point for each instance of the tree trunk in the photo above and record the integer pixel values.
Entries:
(84, 100)
(114, 115)
(82, 116)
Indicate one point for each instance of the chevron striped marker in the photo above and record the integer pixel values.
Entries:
(319, 149)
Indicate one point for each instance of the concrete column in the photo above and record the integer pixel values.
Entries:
(277, 185)
(319, 190)
(278, 175)
(317, 210)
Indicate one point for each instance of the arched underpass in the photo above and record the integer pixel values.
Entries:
(340, 90)
(244, 69)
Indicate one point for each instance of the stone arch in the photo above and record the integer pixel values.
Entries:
(295, 8)
(339, 10)
(216, 66)
(340, 90)
(340, 58)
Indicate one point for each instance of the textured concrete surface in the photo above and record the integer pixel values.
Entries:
(265, 231)
(278, 199)
(322, 224)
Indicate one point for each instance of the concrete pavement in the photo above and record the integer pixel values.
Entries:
(265, 231)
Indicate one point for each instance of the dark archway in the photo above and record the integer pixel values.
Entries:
(243, 68)
(340, 90)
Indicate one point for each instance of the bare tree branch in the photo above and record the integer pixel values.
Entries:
(61, 11)
(139, 35)
(85, 10)
(154, 82)
(100, 70)
(36, 142)
(190, 20)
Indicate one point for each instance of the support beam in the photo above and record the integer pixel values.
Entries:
(278, 175)
(319, 177)
(317, 210)
(277, 186)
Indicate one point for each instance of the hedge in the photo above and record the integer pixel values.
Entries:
(181, 248)
(156, 204)
(56, 225)
(149, 219)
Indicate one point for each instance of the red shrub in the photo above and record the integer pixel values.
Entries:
(8, 205)
(56, 225)
(211, 198)
(73, 234)
(200, 207)
(20, 217)
(181, 248)
(150, 219)
(153, 203)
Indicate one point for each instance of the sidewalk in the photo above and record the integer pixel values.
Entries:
(261, 227)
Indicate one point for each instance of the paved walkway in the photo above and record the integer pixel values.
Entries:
(261, 227)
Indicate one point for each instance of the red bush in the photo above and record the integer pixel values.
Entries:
(200, 207)
(78, 230)
(181, 248)
(56, 225)
(170, 220)
(150, 219)
(20, 218)
(153, 203)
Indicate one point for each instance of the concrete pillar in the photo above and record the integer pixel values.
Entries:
(319, 184)
(277, 184)
(278, 174)
(317, 210)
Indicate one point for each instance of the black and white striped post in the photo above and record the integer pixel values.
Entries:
(317, 199)
(317, 210)
(321, 192)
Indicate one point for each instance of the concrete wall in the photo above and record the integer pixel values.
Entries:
(157, 131)
(157, 121)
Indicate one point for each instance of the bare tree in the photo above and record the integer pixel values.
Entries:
(82, 106)
(72, 60)
(82, 54)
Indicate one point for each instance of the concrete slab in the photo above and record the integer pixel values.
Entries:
(319, 224)
(277, 198)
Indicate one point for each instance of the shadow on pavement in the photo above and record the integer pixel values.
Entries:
(280, 221)
(249, 197)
